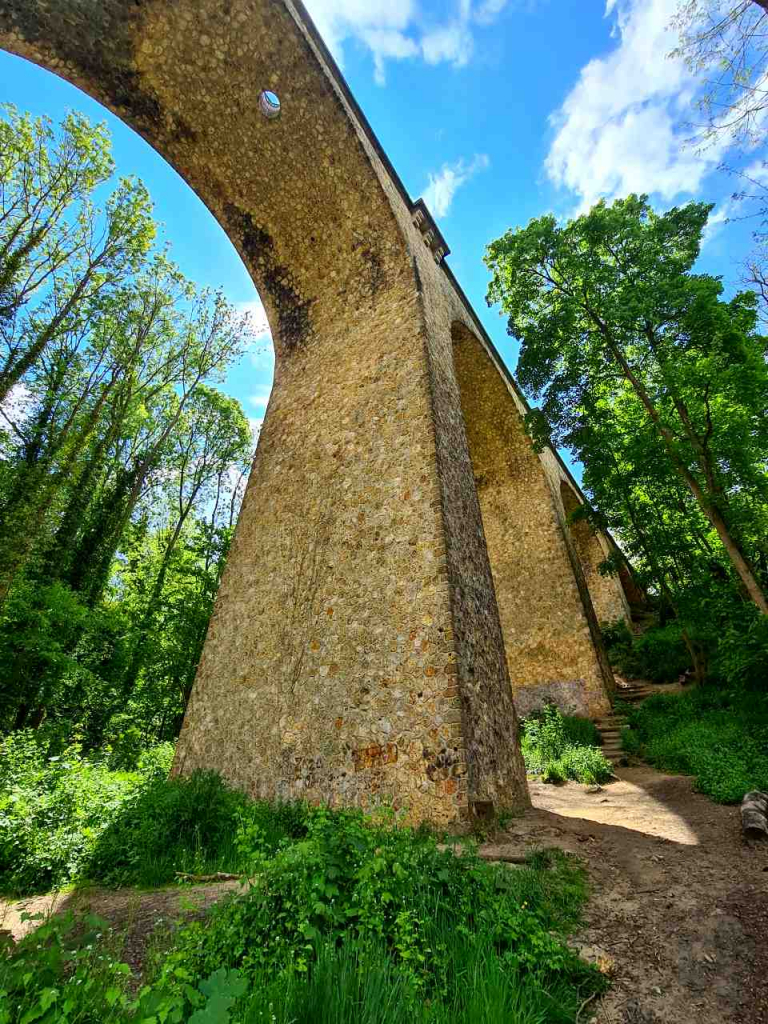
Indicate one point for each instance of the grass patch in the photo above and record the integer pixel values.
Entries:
(560, 747)
(719, 736)
(359, 920)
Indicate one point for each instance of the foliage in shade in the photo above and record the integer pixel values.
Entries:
(659, 654)
(719, 736)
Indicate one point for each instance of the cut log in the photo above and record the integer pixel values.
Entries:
(754, 815)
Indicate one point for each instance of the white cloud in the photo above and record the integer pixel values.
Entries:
(452, 43)
(259, 400)
(398, 30)
(262, 356)
(17, 405)
(490, 9)
(442, 187)
(622, 128)
(717, 220)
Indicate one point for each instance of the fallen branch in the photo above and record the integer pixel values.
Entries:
(584, 1005)
(754, 815)
(217, 876)
(503, 858)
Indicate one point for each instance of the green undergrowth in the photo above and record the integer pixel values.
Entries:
(658, 655)
(69, 818)
(358, 920)
(559, 747)
(718, 735)
(54, 807)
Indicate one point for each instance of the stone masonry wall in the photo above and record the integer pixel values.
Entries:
(549, 639)
(607, 592)
(356, 652)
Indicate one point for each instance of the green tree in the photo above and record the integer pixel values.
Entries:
(121, 465)
(213, 440)
(608, 302)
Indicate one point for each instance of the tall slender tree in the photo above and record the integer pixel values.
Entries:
(609, 302)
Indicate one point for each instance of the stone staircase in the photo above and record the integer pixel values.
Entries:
(610, 725)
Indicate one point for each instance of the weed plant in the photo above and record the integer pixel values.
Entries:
(559, 747)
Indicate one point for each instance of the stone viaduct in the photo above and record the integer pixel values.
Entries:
(402, 552)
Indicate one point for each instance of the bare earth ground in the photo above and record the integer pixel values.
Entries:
(679, 909)
(678, 916)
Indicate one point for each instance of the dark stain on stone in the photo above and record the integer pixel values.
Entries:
(97, 40)
(416, 275)
(373, 269)
(294, 324)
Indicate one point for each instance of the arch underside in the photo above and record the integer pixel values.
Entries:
(550, 631)
(607, 591)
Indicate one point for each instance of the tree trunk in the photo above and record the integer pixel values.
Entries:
(697, 658)
(21, 715)
(713, 514)
(12, 372)
(139, 652)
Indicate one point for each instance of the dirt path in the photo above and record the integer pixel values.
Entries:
(679, 909)
(678, 915)
(132, 913)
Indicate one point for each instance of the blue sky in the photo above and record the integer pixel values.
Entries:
(495, 110)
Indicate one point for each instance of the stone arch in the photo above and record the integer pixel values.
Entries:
(607, 592)
(349, 658)
(550, 631)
